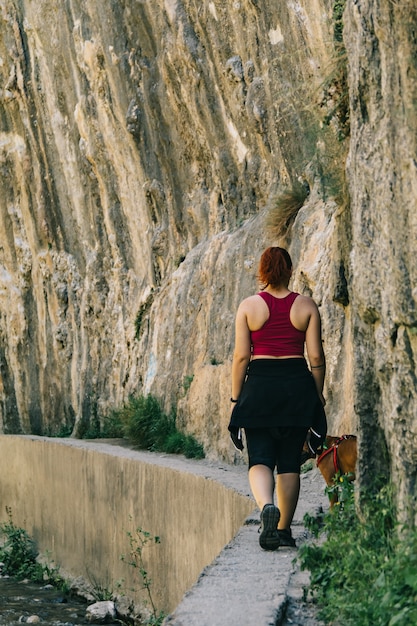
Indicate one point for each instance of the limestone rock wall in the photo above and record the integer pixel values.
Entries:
(140, 142)
(142, 149)
(382, 170)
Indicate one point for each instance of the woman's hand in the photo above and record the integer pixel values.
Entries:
(236, 437)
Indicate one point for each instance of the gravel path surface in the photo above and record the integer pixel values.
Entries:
(246, 586)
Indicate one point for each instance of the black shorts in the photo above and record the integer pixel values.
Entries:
(276, 447)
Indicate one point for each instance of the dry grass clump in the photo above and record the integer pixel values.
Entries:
(284, 209)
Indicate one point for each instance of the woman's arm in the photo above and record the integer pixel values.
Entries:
(242, 351)
(315, 350)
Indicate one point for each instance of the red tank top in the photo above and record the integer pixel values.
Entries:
(278, 337)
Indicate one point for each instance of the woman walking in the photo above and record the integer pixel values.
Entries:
(276, 397)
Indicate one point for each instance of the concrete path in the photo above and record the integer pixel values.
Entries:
(246, 586)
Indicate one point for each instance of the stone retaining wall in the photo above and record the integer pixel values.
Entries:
(80, 499)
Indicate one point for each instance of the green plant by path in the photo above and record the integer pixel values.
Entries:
(343, 488)
(142, 421)
(138, 540)
(19, 555)
(365, 570)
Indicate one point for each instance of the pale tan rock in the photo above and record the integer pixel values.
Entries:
(101, 612)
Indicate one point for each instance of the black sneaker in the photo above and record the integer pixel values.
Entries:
(269, 537)
(286, 538)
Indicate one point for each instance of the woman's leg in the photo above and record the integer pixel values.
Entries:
(261, 479)
(290, 445)
(262, 455)
(288, 490)
(262, 484)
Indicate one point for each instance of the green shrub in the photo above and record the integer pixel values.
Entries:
(365, 571)
(112, 426)
(192, 449)
(179, 443)
(18, 554)
(144, 423)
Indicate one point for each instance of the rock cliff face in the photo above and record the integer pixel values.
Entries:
(146, 149)
(382, 170)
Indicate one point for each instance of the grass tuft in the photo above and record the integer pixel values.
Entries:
(284, 209)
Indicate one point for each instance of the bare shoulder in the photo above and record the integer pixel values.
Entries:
(306, 303)
(303, 311)
(253, 311)
(250, 303)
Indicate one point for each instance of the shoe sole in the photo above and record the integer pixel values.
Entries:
(286, 540)
(269, 537)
